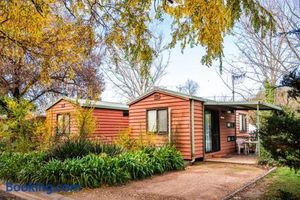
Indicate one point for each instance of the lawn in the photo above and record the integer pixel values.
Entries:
(285, 184)
(280, 184)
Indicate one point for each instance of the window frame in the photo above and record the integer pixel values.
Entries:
(157, 121)
(243, 116)
(64, 126)
(125, 113)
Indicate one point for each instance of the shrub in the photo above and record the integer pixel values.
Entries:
(81, 148)
(13, 165)
(125, 141)
(280, 137)
(265, 158)
(92, 170)
(20, 127)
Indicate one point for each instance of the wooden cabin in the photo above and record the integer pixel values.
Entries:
(111, 118)
(198, 127)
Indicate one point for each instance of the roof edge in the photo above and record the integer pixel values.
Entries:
(87, 104)
(168, 92)
(245, 103)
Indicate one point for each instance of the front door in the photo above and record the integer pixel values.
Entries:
(212, 131)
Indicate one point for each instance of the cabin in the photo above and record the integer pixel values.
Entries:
(111, 118)
(200, 128)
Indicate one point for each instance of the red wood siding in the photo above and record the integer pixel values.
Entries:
(61, 107)
(225, 146)
(109, 122)
(180, 120)
(198, 123)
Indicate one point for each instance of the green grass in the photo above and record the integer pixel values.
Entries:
(285, 184)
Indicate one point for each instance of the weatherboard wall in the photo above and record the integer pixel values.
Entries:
(180, 121)
(109, 122)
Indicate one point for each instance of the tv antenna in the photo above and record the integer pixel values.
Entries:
(236, 77)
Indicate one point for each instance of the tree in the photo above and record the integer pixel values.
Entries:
(49, 35)
(280, 132)
(280, 137)
(292, 80)
(86, 123)
(128, 75)
(266, 56)
(194, 22)
(21, 126)
(45, 52)
(190, 87)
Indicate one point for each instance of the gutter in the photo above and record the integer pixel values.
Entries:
(192, 111)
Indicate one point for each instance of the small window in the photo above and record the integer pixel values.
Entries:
(63, 124)
(125, 113)
(230, 124)
(157, 121)
(230, 138)
(243, 123)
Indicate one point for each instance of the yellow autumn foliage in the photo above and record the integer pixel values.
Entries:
(41, 35)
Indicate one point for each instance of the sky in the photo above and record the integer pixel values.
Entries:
(187, 65)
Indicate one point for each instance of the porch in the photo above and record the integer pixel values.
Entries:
(226, 131)
(235, 159)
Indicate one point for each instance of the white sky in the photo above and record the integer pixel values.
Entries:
(187, 65)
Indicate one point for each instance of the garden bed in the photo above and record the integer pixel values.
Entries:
(90, 169)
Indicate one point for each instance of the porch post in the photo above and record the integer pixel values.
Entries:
(258, 128)
(169, 126)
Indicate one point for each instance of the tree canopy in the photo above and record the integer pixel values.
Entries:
(194, 23)
(43, 50)
(55, 37)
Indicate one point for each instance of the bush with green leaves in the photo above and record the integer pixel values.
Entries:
(265, 158)
(281, 137)
(91, 170)
(13, 165)
(20, 127)
(80, 148)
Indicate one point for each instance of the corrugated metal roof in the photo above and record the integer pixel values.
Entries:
(245, 105)
(93, 104)
(242, 105)
(170, 92)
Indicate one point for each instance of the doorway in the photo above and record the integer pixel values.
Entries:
(212, 131)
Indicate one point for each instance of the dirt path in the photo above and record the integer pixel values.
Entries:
(254, 192)
(7, 196)
(204, 181)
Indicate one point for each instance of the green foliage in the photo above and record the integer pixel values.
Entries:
(20, 126)
(269, 92)
(127, 142)
(292, 80)
(285, 184)
(265, 158)
(13, 165)
(85, 120)
(80, 148)
(92, 170)
(280, 137)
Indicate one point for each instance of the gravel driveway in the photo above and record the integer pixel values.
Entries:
(201, 181)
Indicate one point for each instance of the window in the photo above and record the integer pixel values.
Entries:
(63, 124)
(157, 121)
(230, 124)
(243, 122)
(125, 113)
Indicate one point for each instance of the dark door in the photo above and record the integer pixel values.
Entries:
(212, 131)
